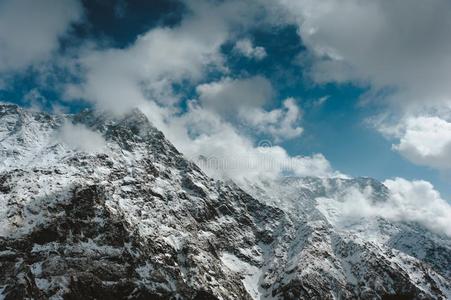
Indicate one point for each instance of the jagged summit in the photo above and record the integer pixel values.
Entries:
(132, 219)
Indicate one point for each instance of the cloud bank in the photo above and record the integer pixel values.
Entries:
(402, 54)
(409, 201)
(226, 118)
(244, 100)
(378, 42)
(223, 151)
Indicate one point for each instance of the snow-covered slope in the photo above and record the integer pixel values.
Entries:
(132, 219)
(347, 254)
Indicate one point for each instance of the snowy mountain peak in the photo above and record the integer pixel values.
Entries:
(100, 206)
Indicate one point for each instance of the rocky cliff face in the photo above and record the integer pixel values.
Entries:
(135, 220)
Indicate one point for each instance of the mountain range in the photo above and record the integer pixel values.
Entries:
(98, 206)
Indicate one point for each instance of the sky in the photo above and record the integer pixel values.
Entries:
(256, 88)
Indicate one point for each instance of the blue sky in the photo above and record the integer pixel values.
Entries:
(305, 64)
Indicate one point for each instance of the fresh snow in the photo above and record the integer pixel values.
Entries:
(250, 274)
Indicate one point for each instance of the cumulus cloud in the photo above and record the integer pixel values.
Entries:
(426, 141)
(380, 43)
(80, 137)
(30, 30)
(423, 140)
(224, 152)
(246, 48)
(418, 201)
(409, 201)
(120, 79)
(211, 128)
(245, 100)
(281, 123)
(400, 50)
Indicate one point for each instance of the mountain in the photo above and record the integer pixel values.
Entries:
(130, 218)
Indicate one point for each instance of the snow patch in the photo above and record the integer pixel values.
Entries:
(251, 274)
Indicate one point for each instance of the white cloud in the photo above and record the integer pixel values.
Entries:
(245, 47)
(224, 152)
(409, 201)
(418, 201)
(245, 100)
(400, 49)
(281, 123)
(80, 137)
(398, 44)
(30, 30)
(424, 140)
(142, 76)
(228, 95)
(120, 79)
(321, 101)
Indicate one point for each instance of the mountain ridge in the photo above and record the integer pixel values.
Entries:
(137, 220)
